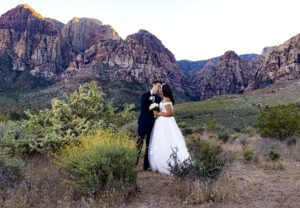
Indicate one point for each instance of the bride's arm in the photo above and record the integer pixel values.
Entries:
(169, 112)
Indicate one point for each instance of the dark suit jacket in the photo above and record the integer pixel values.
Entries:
(146, 118)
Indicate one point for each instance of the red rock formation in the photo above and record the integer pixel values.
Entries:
(230, 75)
(279, 63)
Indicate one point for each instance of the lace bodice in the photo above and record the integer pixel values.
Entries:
(162, 107)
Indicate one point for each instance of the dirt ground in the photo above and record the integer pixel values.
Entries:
(254, 185)
(255, 188)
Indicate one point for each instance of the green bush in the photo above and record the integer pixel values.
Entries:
(4, 118)
(102, 159)
(279, 121)
(243, 140)
(207, 161)
(237, 129)
(249, 130)
(187, 131)
(199, 129)
(3, 129)
(235, 135)
(274, 154)
(130, 127)
(223, 136)
(211, 125)
(11, 171)
(80, 112)
(291, 140)
(182, 125)
(248, 154)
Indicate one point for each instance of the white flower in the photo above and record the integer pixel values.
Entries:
(153, 106)
(152, 98)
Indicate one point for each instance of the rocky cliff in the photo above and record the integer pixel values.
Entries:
(278, 63)
(48, 51)
(229, 75)
(36, 52)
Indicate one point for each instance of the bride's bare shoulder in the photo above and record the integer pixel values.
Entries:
(166, 100)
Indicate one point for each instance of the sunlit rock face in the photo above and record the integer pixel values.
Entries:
(83, 49)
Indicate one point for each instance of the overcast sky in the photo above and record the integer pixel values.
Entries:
(191, 29)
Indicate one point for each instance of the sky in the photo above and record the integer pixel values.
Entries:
(190, 29)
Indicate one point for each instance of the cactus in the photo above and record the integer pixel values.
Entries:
(80, 112)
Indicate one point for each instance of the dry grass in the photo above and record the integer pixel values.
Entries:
(270, 165)
(42, 187)
(199, 192)
(260, 183)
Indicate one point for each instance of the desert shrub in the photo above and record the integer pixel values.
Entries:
(199, 129)
(211, 125)
(249, 130)
(187, 131)
(223, 136)
(3, 129)
(291, 141)
(4, 117)
(182, 125)
(102, 159)
(274, 154)
(130, 127)
(80, 112)
(237, 129)
(235, 135)
(11, 171)
(279, 121)
(243, 140)
(207, 161)
(211, 136)
(220, 128)
(248, 154)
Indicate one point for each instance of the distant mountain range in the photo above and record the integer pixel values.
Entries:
(186, 65)
(39, 53)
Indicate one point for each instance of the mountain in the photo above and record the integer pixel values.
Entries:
(42, 58)
(37, 52)
(279, 64)
(128, 65)
(187, 66)
(229, 75)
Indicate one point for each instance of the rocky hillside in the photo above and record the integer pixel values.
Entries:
(229, 75)
(40, 52)
(37, 51)
(279, 63)
(128, 65)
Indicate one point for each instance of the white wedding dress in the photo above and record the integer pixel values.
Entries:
(165, 136)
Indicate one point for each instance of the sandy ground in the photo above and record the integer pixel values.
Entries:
(255, 186)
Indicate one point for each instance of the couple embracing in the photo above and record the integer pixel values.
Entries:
(159, 128)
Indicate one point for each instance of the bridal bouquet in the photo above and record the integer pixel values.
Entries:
(154, 107)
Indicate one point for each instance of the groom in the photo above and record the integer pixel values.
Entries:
(146, 120)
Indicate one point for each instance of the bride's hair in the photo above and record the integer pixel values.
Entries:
(167, 92)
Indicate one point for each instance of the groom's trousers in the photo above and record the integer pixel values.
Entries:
(144, 132)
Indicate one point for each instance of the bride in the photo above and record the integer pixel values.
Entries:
(165, 135)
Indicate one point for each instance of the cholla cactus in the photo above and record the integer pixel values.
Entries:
(80, 112)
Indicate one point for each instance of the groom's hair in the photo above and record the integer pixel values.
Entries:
(156, 82)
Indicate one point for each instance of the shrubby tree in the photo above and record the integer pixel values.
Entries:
(80, 112)
(280, 121)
